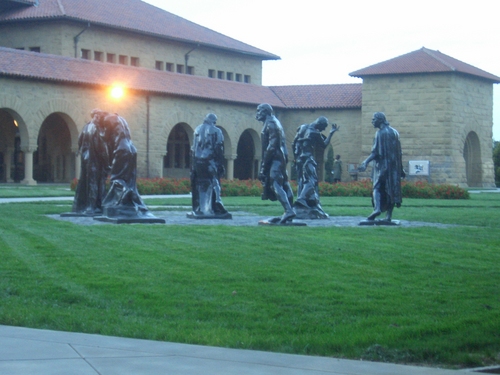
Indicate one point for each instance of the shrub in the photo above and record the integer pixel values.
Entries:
(253, 188)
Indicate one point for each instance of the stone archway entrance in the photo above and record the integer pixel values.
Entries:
(53, 160)
(245, 165)
(472, 156)
(11, 156)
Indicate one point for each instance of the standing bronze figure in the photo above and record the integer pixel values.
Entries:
(387, 170)
(94, 168)
(122, 203)
(273, 174)
(206, 171)
(307, 140)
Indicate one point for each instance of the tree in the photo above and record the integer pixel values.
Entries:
(496, 162)
(329, 165)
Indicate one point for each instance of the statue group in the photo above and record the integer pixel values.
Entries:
(387, 171)
(106, 149)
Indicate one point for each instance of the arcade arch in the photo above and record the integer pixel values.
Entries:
(177, 162)
(11, 156)
(246, 165)
(54, 158)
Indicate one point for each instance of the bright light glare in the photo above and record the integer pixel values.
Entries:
(117, 92)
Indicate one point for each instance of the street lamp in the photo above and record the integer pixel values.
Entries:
(117, 91)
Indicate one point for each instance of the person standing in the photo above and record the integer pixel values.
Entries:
(337, 170)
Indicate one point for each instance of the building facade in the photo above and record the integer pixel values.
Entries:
(174, 72)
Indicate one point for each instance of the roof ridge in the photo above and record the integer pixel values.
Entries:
(433, 55)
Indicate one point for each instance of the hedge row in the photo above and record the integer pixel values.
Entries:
(419, 189)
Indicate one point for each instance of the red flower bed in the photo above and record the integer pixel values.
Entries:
(253, 188)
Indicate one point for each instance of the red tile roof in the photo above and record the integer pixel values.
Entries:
(340, 96)
(44, 67)
(132, 15)
(424, 61)
(12, 4)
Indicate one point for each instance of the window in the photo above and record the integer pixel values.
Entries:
(111, 58)
(35, 49)
(159, 65)
(247, 79)
(220, 74)
(180, 68)
(134, 61)
(211, 73)
(85, 54)
(98, 56)
(169, 67)
(190, 70)
(20, 48)
(229, 76)
(123, 60)
(238, 77)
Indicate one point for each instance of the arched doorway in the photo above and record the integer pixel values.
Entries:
(11, 156)
(472, 156)
(177, 162)
(245, 164)
(53, 160)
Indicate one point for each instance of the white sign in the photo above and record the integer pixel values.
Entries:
(419, 167)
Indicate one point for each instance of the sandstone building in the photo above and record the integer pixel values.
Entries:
(59, 59)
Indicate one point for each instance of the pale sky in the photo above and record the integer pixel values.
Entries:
(322, 41)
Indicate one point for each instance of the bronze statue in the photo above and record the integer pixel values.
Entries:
(307, 139)
(94, 168)
(273, 174)
(122, 203)
(387, 170)
(206, 171)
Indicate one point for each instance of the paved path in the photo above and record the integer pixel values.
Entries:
(26, 351)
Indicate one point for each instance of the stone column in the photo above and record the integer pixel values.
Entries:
(28, 168)
(230, 166)
(8, 164)
(78, 165)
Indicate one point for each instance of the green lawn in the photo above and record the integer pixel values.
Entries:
(407, 295)
(42, 190)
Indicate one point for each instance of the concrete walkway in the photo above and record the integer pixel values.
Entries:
(25, 351)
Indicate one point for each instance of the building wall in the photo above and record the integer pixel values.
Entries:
(433, 114)
(472, 101)
(58, 38)
(32, 102)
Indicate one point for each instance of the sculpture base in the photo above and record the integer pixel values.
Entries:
(128, 215)
(276, 221)
(193, 215)
(79, 214)
(380, 222)
(131, 220)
